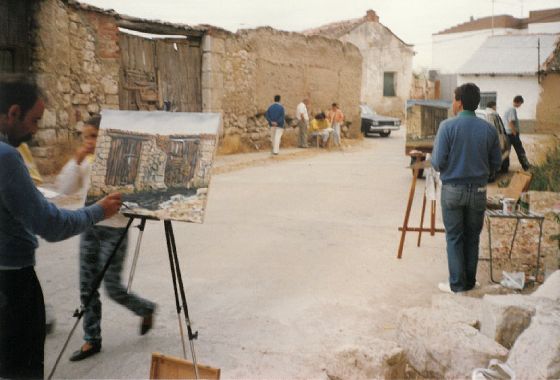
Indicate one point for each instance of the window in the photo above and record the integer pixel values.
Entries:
(6, 61)
(389, 84)
(486, 97)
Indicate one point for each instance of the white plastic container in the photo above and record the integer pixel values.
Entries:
(508, 205)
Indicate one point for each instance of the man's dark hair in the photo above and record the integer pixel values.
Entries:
(94, 121)
(320, 116)
(518, 99)
(491, 104)
(469, 95)
(18, 90)
(276, 98)
(334, 105)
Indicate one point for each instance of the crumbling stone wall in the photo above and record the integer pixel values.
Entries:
(242, 72)
(548, 107)
(76, 59)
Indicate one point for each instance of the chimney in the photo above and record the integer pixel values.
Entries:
(372, 16)
(472, 19)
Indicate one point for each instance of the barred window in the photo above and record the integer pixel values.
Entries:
(486, 97)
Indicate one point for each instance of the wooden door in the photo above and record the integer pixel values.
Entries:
(179, 64)
(181, 162)
(122, 164)
(153, 71)
(15, 44)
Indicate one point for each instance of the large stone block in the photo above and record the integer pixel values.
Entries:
(80, 99)
(49, 119)
(504, 318)
(438, 345)
(110, 86)
(550, 289)
(381, 360)
(468, 307)
(46, 137)
(536, 352)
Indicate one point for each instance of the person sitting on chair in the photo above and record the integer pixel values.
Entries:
(320, 127)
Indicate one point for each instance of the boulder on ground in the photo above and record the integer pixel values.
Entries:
(536, 352)
(440, 346)
(504, 318)
(550, 289)
(382, 360)
(469, 308)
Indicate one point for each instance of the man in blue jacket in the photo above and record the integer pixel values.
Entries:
(25, 213)
(275, 116)
(466, 151)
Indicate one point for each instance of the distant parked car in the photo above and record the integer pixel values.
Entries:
(372, 123)
(505, 145)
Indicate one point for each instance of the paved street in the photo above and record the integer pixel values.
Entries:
(295, 260)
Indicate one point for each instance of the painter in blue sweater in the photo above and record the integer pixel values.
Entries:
(25, 213)
(465, 152)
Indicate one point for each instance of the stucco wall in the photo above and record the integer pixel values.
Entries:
(548, 106)
(451, 51)
(507, 87)
(242, 72)
(76, 60)
(382, 52)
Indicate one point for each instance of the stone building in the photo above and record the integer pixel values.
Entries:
(88, 59)
(387, 61)
(242, 72)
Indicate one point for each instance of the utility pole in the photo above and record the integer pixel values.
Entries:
(539, 60)
(492, 17)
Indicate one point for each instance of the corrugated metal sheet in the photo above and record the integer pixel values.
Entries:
(510, 54)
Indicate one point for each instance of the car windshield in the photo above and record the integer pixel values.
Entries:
(366, 110)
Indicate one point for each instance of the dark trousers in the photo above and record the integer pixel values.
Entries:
(463, 216)
(515, 141)
(22, 325)
(96, 245)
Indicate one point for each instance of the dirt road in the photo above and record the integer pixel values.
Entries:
(296, 259)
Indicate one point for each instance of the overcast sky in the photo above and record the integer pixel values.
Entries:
(414, 21)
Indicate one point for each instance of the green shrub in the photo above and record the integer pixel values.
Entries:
(546, 176)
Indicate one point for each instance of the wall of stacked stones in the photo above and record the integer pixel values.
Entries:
(76, 59)
(242, 72)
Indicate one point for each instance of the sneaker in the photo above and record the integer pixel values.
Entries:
(444, 287)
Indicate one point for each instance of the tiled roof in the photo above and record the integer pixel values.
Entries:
(340, 28)
(510, 55)
(505, 21)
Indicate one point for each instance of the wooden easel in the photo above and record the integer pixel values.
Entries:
(416, 167)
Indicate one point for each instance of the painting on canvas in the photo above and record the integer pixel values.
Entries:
(159, 161)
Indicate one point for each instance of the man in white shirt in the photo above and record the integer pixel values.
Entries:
(303, 122)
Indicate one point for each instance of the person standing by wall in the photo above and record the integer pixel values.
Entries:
(97, 244)
(513, 131)
(275, 116)
(466, 150)
(336, 119)
(25, 213)
(302, 117)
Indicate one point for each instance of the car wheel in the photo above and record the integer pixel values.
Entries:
(384, 134)
(505, 165)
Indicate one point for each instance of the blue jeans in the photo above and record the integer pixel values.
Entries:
(463, 216)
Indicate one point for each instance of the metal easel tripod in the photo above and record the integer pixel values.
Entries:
(178, 287)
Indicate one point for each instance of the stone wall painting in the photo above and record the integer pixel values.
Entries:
(159, 161)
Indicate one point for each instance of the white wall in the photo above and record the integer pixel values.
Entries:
(506, 88)
(382, 52)
(451, 51)
(545, 27)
